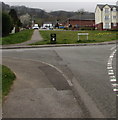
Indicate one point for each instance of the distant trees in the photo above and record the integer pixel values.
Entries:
(16, 21)
(9, 21)
(7, 24)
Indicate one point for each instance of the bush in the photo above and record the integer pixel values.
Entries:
(7, 24)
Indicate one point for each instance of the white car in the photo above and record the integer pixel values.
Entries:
(35, 26)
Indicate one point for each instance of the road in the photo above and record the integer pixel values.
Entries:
(85, 67)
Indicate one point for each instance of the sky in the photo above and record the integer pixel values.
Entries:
(67, 5)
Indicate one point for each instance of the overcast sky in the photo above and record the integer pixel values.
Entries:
(54, 5)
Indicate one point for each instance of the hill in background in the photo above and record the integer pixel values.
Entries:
(38, 15)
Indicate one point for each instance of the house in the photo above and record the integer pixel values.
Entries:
(106, 17)
(81, 20)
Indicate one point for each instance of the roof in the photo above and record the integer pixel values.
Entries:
(111, 6)
(84, 16)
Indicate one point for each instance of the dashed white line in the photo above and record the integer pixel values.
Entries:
(115, 90)
(115, 85)
(109, 67)
(113, 80)
(112, 77)
(110, 70)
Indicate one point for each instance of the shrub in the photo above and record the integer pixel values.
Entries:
(6, 24)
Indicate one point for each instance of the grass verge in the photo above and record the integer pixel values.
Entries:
(70, 37)
(7, 80)
(19, 37)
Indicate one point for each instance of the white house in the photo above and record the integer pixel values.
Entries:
(106, 17)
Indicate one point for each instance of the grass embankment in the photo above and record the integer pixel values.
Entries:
(70, 37)
(7, 80)
(15, 38)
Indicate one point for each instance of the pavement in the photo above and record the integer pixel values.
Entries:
(39, 91)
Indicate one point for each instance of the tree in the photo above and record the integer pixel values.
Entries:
(16, 20)
(14, 16)
(81, 11)
(7, 24)
(26, 20)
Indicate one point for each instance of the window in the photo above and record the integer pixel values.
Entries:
(114, 24)
(106, 10)
(107, 18)
(107, 25)
(114, 9)
(114, 17)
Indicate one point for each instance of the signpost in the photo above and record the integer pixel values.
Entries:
(83, 34)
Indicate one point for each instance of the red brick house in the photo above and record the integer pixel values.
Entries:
(85, 20)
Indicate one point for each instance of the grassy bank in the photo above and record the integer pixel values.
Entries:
(7, 80)
(70, 37)
(19, 37)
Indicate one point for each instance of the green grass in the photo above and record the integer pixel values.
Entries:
(7, 80)
(19, 37)
(70, 37)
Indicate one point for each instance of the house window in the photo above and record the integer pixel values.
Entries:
(114, 17)
(114, 9)
(106, 10)
(114, 24)
(107, 25)
(107, 18)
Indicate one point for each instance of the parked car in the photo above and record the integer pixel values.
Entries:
(35, 26)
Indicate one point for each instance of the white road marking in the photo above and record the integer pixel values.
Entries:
(109, 67)
(111, 56)
(115, 90)
(109, 63)
(113, 80)
(111, 73)
(115, 85)
(112, 77)
(110, 70)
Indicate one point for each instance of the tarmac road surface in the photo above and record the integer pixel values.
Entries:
(84, 66)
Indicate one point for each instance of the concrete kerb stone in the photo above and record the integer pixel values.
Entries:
(56, 45)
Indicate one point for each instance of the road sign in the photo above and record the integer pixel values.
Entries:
(82, 34)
